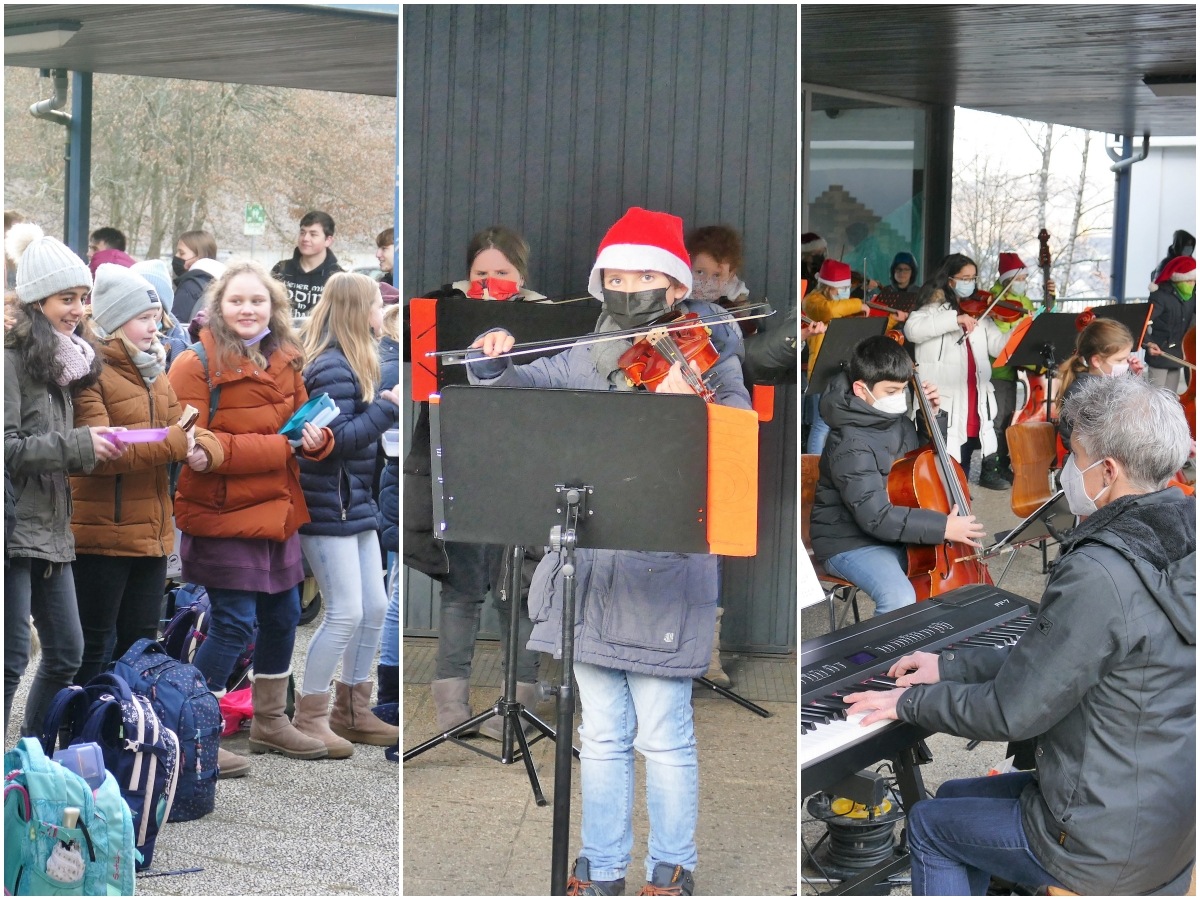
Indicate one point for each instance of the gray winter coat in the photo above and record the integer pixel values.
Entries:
(651, 613)
(1106, 682)
(851, 508)
(41, 445)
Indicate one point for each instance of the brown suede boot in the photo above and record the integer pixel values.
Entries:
(353, 720)
(231, 765)
(451, 698)
(312, 718)
(715, 673)
(271, 731)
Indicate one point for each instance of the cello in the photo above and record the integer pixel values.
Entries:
(929, 478)
(1035, 402)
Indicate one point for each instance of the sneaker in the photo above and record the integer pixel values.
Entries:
(669, 881)
(580, 883)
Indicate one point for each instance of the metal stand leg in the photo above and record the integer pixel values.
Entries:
(736, 698)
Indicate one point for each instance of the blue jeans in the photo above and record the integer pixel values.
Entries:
(47, 592)
(232, 625)
(623, 711)
(350, 574)
(970, 831)
(389, 646)
(879, 570)
(818, 431)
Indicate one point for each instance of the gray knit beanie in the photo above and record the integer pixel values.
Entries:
(45, 265)
(120, 295)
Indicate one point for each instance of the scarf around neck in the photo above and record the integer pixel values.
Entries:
(605, 354)
(149, 364)
(74, 357)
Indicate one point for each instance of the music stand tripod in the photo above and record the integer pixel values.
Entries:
(581, 490)
(507, 707)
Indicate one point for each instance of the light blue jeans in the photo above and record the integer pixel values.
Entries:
(349, 572)
(623, 711)
(818, 430)
(389, 647)
(879, 570)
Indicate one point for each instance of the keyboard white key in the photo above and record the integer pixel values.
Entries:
(828, 739)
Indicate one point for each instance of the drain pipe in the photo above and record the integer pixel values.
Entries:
(51, 111)
(1120, 245)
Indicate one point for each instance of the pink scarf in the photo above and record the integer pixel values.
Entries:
(74, 357)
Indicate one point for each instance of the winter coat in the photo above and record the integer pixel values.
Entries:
(41, 445)
(820, 308)
(851, 508)
(1008, 373)
(637, 611)
(123, 508)
(934, 331)
(1170, 318)
(255, 492)
(771, 354)
(304, 288)
(422, 550)
(189, 291)
(1106, 681)
(389, 473)
(340, 489)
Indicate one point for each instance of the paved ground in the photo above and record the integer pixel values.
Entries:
(951, 758)
(289, 828)
(471, 826)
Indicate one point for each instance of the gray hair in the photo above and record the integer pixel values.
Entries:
(1130, 420)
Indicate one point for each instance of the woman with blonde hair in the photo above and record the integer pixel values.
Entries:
(241, 519)
(341, 542)
(1104, 349)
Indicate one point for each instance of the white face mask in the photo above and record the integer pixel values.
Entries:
(965, 288)
(838, 293)
(892, 405)
(1018, 288)
(1078, 500)
(1118, 369)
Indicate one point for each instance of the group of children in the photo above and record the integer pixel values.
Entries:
(867, 422)
(91, 514)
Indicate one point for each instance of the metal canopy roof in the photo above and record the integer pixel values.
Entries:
(318, 48)
(1078, 65)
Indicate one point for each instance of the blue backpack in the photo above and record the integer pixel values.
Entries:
(188, 628)
(37, 791)
(184, 703)
(140, 751)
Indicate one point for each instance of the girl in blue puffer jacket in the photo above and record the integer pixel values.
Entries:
(341, 543)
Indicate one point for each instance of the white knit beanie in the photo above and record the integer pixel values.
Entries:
(45, 265)
(121, 294)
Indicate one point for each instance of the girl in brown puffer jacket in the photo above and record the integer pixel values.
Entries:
(122, 518)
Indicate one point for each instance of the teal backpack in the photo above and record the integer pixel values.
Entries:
(37, 790)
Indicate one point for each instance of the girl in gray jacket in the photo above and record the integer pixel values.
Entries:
(46, 362)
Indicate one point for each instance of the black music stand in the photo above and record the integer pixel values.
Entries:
(575, 489)
(841, 338)
(1049, 340)
(1132, 315)
(1048, 521)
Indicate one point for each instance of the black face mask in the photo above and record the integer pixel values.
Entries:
(635, 309)
(177, 266)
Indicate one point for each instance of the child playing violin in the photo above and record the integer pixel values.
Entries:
(829, 300)
(633, 697)
(1104, 349)
(857, 533)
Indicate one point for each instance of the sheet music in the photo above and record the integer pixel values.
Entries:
(810, 589)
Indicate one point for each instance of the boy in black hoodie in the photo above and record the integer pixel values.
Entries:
(857, 533)
(305, 274)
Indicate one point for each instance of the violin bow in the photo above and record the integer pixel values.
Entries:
(998, 298)
(462, 357)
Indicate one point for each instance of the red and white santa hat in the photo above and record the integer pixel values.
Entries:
(810, 242)
(1181, 268)
(643, 241)
(835, 274)
(1011, 266)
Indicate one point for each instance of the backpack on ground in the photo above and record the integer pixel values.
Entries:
(184, 703)
(139, 749)
(37, 791)
(188, 628)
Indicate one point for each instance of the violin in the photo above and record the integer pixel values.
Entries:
(1188, 397)
(929, 478)
(650, 358)
(977, 305)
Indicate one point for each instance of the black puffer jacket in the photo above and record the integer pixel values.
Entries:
(1106, 682)
(851, 508)
(1170, 318)
(340, 489)
(389, 477)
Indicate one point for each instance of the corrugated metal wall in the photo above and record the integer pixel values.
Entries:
(555, 119)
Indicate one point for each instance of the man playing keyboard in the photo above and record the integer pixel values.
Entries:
(1104, 680)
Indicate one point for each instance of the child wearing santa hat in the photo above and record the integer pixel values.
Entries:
(1173, 313)
(829, 300)
(647, 618)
